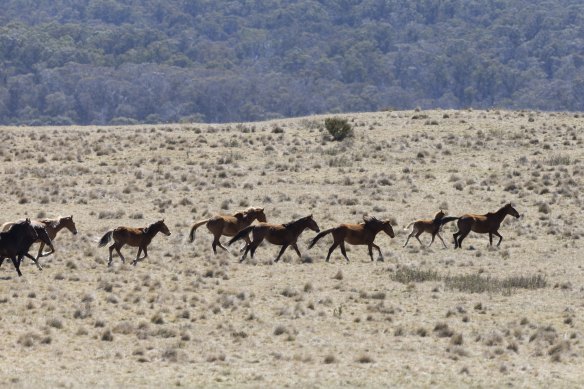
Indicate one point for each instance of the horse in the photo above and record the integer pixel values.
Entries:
(134, 237)
(51, 228)
(279, 234)
(16, 241)
(356, 234)
(430, 226)
(229, 225)
(483, 224)
(42, 236)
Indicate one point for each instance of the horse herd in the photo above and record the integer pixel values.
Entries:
(16, 238)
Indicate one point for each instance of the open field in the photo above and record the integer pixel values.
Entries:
(479, 316)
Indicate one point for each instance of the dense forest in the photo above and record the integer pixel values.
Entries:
(152, 61)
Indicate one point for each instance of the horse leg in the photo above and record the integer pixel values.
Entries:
(251, 248)
(247, 243)
(1, 261)
(461, 238)
(500, 237)
(490, 238)
(118, 248)
(408, 239)
(16, 264)
(417, 236)
(295, 247)
(379, 250)
(111, 249)
(442, 240)
(331, 249)
(370, 248)
(455, 235)
(41, 254)
(35, 261)
(343, 251)
(135, 261)
(284, 247)
(432, 241)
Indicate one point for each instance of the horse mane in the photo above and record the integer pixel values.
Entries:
(52, 222)
(438, 217)
(371, 221)
(296, 221)
(159, 222)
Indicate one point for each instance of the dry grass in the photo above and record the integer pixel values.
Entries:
(428, 317)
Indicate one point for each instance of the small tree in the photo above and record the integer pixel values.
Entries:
(338, 128)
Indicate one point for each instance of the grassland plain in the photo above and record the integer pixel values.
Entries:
(428, 317)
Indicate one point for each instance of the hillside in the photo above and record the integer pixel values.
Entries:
(125, 61)
(425, 317)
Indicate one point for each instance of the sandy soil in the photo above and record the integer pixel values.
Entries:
(185, 317)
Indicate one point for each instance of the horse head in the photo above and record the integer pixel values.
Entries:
(388, 229)
(511, 211)
(69, 224)
(163, 227)
(312, 224)
(259, 214)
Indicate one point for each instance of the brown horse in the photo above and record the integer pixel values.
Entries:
(52, 227)
(356, 234)
(15, 242)
(280, 234)
(431, 226)
(483, 224)
(134, 237)
(229, 225)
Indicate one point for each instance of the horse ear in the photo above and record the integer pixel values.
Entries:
(162, 220)
(71, 217)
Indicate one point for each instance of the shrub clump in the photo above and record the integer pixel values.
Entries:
(338, 128)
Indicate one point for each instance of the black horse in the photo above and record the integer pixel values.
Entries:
(16, 242)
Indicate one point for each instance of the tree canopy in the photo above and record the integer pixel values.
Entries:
(127, 61)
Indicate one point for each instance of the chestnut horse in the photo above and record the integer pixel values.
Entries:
(229, 225)
(483, 224)
(431, 226)
(134, 237)
(15, 242)
(52, 227)
(279, 234)
(356, 234)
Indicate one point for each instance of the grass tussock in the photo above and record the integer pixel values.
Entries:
(470, 283)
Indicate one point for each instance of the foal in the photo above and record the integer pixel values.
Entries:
(229, 225)
(356, 234)
(280, 234)
(483, 224)
(430, 226)
(134, 237)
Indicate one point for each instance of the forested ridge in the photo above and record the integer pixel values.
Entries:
(126, 61)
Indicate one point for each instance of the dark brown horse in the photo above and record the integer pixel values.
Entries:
(14, 243)
(483, 224)
(280, 234)
(134, 237)
(229, 225)
(356, 234)
(431, 226)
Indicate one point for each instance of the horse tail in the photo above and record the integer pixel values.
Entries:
(448, 219)
(320, 235)
(241, 234)
(194, 227)
(408, 226)
(105, 239)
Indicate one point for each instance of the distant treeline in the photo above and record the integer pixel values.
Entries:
(126, 61)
